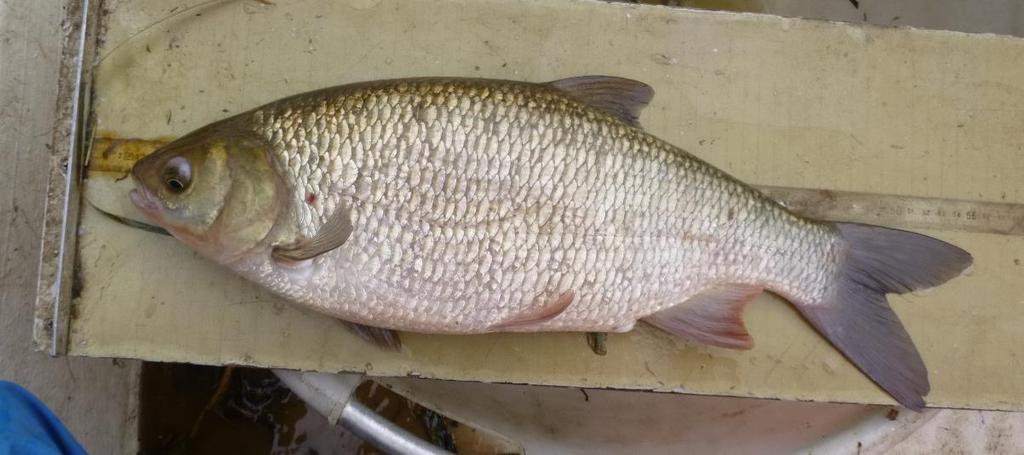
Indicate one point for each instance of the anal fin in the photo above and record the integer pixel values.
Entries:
(714, 316)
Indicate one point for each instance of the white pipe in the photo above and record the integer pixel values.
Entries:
(331, 395)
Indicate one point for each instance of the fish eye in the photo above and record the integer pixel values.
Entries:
(177, 175)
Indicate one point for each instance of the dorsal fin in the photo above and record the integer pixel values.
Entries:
(623, 98)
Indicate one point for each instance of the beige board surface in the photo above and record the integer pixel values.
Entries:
(773, 101)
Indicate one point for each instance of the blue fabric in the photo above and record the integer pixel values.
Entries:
(28, 427)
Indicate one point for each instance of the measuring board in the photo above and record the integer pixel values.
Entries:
(921, 129)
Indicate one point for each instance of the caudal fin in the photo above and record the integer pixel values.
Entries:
(856, 317)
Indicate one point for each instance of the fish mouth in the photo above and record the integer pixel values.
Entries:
(143, 199)
(145, 202)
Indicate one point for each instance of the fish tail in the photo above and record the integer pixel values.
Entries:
(855, 316)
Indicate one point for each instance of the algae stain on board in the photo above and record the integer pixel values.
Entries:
(116, 155)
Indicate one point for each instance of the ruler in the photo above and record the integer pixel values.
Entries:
(909, 212)
(112, 159)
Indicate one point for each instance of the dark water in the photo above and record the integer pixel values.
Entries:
(191, 409)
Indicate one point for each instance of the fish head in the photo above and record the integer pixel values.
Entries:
(216, 191)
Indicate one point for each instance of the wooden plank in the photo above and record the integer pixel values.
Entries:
(779, 102)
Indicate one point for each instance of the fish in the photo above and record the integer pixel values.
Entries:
(464, 205)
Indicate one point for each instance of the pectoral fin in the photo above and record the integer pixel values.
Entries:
(333, 233)
(714, 316)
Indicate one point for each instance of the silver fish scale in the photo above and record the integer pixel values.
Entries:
(476, 203)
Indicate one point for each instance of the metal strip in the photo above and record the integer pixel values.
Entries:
(60, 223)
